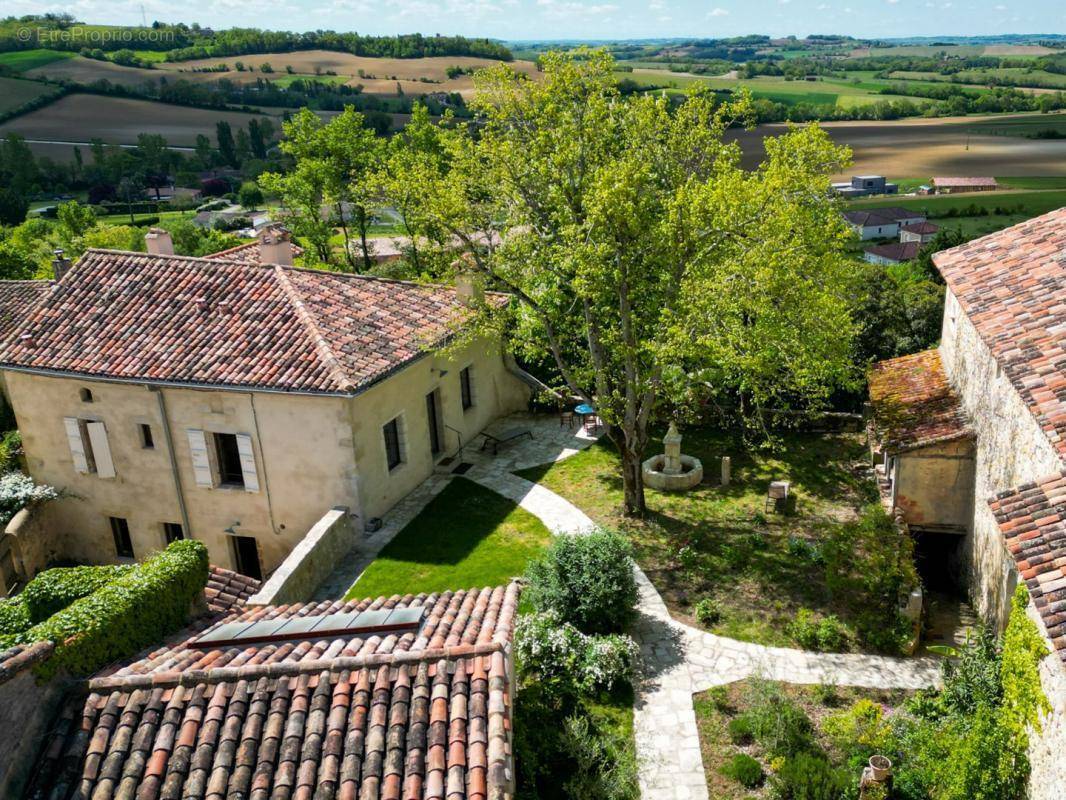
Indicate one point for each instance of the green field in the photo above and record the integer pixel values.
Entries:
(15, 92)
(23, 60)
(285, 81)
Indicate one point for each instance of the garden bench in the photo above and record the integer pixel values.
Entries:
(495, 440)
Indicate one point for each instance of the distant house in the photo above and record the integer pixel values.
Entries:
(894, 253)
(959, 185)
(881, 223)
(863, 185)
(921, 232)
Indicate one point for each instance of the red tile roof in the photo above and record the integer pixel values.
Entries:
(226, 589)
(913, 404)
(21, 657)
(1012, 286)
(973, 181)
(195, 321)
(16, 300)
(1032, 518)
(247, 253)
(414, 716)
(896, 251)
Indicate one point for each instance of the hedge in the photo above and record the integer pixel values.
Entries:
(140, 607)
(55, 589)
(14, 618)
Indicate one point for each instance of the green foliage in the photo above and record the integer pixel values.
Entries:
(869, 564)
(824, 634)
(780, 726)
(809, 776)
(739, 730)
(973, 679)
(134, 610)
(55, 589)
(1023, 648)
(708, 611)
(10, 451)
(14, 617)
(587, 580)
(17, 491)
(250, 195)
(861, 729)
(745, 770)
(606, 765)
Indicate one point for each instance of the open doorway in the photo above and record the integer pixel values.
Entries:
(246, 556)
(436, 422)
(949, 618)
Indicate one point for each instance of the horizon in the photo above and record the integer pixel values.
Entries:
(597, 20)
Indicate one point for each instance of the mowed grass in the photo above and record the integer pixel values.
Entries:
(22, 60)
(15, 92)
(467, 536)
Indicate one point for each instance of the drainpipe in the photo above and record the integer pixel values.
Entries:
(262, 453)
(173, 458)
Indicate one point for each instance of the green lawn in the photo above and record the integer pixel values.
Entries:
(467, 536)
(23, 60)
(740, 556)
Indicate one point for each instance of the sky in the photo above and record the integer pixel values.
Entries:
(589, 19)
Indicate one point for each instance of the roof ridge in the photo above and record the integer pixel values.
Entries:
(325, 352)
(288, 669)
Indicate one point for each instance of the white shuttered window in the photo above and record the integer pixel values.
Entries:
(77, 444)
(105, 467)
(251, 477)
(201, 463)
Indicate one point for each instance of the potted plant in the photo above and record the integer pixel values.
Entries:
(880, 768)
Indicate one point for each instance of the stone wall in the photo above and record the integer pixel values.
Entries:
(1046, 748)
(310, 562)
(26, 711)
(1011, 450)
(30, 540)
(933, 486)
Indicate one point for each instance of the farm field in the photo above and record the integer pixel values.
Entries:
(89, 70)
(965, 50)
(22, 60)
(115, 120)
(15, 92)
(926, 147)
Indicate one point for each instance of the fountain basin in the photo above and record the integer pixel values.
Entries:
(690, 475)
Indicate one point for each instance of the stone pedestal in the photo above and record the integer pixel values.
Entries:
(727, 469)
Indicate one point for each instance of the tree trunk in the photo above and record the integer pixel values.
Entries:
(632, 477)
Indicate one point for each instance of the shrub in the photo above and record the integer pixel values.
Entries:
(708, 611)
(861, 729)
(131, 612)
(688, 557)
(587, 580)
(809, 776)
(739, 730)
(566, 661)
(10, 450)
(737, 554)
(606, 764)
(827, 634)
(804, 550)
(778, 724)
(18, 491)
(744, 769)
(55, 589)
(14, 618)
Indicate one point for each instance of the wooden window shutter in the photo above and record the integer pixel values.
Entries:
(251, 477)
(201, 464)
(105, 467)
(77, 446)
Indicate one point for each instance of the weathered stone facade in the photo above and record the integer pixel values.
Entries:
(1047, 780)
(1011, 449)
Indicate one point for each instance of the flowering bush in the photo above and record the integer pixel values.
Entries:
(18, 491)
(566, 661)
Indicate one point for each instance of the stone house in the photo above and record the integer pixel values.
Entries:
(921, 232)
(996, 387)
(234, 402)
(881, 223)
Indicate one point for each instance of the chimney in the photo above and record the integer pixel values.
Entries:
(159, 242)
(275, 246)
(469, 287)
(60, 265)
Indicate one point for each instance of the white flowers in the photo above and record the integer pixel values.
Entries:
(18, 491)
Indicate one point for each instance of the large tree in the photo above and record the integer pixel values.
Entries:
(647, 264)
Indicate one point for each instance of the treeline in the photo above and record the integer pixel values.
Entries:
(244, 41)
(57, 32)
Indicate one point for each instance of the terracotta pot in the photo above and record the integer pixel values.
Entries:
(880, 767)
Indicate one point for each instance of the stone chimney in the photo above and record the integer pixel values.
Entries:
(60, 265)
(275, 246)
(159, 242)
(469, 286)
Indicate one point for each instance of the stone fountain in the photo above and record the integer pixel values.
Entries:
(671, 471)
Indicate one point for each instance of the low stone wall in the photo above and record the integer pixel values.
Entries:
(31, 543)
(310, 562)
(1048, 775)
(26, 712)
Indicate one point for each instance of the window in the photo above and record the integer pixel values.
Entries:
(89, 449)
(147, 442)
(465, 389)
(86, 395)
(172, 531)
(120, 529)
(228, 457)
(393, 450)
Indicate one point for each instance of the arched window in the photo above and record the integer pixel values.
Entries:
(86, 396)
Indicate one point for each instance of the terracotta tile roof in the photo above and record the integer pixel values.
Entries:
(1032, 518)
(18, 659)
(973, 181)
(174, 319)
(896, 251)
(227, 589)
(411, 717)
(920, 227)
(1012, 286)
(913, 404)
(16, 300)
(247, 253)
